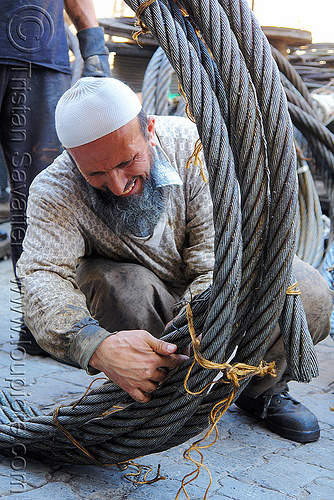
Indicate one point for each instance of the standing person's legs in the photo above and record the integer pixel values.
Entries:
(28, 136)
(29, 95)
(268, 397)
(4, 209)
(4, 204)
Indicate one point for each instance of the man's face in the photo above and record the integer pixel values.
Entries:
(120, 161)
(119, 174)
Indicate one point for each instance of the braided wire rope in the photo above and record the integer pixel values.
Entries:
(311, 225)
(241, 114)
(304, 115)
(156, 84)
(292, 76)
(156, 87)
(311, 228)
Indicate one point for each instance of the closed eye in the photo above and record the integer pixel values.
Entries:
(125, 164)
(94, 174)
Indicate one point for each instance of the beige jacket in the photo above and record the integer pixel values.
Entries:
(62, 228)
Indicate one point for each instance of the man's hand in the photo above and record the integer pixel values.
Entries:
(94, 52)
(136, 361)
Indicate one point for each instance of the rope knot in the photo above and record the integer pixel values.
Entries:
(139, 23)
(293, 289)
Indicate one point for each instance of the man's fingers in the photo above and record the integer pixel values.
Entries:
(167, 350)
(140, 396)
(160, 374)
(161, 347)
(174, 360)
(164, 372)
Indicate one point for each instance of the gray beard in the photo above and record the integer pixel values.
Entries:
(135, 215)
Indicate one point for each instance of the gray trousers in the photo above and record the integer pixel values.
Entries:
(123, 296)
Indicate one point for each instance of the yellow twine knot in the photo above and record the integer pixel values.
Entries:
(293, 289)
(233, 374)
(139, 23)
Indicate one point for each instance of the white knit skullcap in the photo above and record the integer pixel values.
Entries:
(93, 108)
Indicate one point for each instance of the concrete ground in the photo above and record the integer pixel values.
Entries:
(248, 462)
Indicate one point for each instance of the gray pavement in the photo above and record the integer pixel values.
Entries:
(248, 462)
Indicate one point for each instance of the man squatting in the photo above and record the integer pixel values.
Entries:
(120, 236)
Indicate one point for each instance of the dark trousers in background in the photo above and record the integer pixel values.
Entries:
(28, 97)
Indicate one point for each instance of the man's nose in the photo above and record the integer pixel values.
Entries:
(117, 182)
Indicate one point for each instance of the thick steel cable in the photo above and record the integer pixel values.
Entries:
(156, 84)
(150, 83)
(310, 223)
(308, 125)
(238, 85)
(272, 102)
(250, 154)
(172, 416)
(296, 98)
(291, 74)
(318, 136)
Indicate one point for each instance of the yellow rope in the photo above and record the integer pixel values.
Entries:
(196, 159)
(143, 29)
(293, 289)
(198, 145)
(141, 468)
(233, 373)
(188, 112)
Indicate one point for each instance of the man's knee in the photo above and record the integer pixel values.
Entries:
(125, 295)
(105, 281)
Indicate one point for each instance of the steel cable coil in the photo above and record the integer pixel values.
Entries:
(241, 114)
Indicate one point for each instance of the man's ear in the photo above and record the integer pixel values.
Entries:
(151, 131)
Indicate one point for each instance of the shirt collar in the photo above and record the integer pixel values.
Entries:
(165, 174)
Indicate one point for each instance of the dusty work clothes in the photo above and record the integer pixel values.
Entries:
(317, 300)
(63, 228)
(130, 297)
(126, 296)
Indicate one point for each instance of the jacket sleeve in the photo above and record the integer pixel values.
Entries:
(54, 308)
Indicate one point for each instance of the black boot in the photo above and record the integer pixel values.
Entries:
(283, 415)
(28, 342)
(4, 245)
